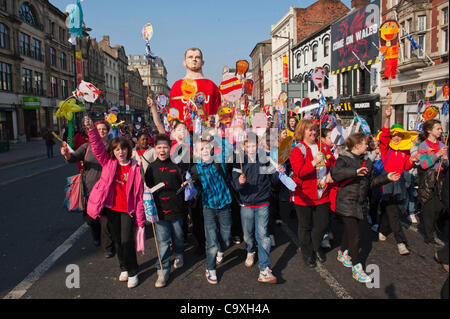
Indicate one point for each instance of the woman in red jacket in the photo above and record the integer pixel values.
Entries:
(310, 161)
(395, 144)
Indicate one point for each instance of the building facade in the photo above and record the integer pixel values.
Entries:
(427, 22)
(111, 79)
(295, 26)
(153, 73)
(36, 67)
(259, 55)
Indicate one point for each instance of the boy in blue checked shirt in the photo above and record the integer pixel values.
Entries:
(209, 178)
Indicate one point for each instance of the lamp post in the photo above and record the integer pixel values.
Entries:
(289, 67)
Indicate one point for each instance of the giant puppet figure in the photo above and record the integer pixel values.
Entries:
(389, 47)
(206, 98)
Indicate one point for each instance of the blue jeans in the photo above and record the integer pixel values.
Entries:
(254, 226)
(216, 220)
(167, 231)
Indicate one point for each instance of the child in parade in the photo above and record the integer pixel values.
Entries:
(252, 183)
(170, 205)
(119, 191)
(395, 143)
(355, 169)
(210, 179)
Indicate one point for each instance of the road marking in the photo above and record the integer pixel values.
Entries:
(40, 270)
(323, 272)
(23, 163)
(31, 175)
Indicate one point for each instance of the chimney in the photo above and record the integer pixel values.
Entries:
(358, 4)
(106, 39)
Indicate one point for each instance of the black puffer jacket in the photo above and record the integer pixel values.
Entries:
(351, 198)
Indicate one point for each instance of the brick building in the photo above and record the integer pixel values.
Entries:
(427, 22)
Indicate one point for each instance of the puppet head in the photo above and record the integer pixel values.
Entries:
(225, 115)
(188, 88)
(318, 77)
(389, 30)
(242, 67)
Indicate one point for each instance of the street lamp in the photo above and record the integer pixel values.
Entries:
(289, 66)
(289, 52)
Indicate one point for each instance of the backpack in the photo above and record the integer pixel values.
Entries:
(335, 187)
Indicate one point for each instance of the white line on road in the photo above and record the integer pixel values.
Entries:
(31, 175)
(323, 272)
(40, 270)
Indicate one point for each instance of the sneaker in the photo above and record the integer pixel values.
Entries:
(250, 260)
(402, 249)
(236, 240)
(211, 276)
(412, 218)
(381, 237)
(162, 279)
(123, 276)
(278, 222)
(178, 263)
(133, 281)
(330, 236)
(344, 258)
(266, 276)
(219, 258)
(359, 274)
(272, 240)
(325, 242)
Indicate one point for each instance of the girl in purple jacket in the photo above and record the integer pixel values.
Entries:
(119, 190)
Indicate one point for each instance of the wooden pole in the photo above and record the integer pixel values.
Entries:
(157, 249)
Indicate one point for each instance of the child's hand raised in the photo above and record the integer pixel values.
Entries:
(88, 123)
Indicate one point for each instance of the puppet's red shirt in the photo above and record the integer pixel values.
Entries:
(211, 100)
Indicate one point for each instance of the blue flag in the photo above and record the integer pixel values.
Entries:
(414, 44)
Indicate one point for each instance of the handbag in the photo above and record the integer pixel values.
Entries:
(74, 200)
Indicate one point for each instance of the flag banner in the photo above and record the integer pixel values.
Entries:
(285, 69)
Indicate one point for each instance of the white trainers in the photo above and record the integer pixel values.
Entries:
(402, 250)
(133, 281)
(123, 276)
(250, 260)
(219, 258)
(179, 262)
(211, 276)
(162, 279)
(266, 276)
(381, 237)
(412, 218)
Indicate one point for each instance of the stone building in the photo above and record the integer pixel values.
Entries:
(111, 79)
(36, 67)
(153, 73)
(293, 27)
(427, 22)
(259, 55)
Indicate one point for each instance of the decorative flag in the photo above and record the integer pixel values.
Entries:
(364, 125)
(430, 113)
(86, 92)
(285, 69)
(445, 91)
(414, 45)
(389, 47)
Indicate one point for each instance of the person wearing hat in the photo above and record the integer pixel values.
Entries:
(395, 145)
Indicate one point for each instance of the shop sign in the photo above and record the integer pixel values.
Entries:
(365, 105)
(31, 102)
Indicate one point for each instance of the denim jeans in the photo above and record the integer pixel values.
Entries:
(167, 231)
(216, 221)
(254, 226)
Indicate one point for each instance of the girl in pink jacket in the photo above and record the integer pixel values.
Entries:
(118, 195)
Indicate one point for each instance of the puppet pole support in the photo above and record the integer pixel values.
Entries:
(157, 248)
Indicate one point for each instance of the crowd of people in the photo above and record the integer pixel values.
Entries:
(240, 185)
(239, 192)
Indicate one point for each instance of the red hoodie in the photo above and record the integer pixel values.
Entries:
(393, 161)
(305, 176)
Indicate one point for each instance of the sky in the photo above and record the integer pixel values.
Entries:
(226, 31)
